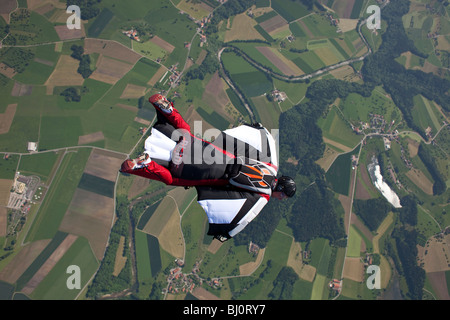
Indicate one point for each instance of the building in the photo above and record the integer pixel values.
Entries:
(278, 95)
(32, 146)
(132, 34)
(335, 284)
(387, 143)
(253, 248)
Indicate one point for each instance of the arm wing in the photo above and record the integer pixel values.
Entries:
(229, 210)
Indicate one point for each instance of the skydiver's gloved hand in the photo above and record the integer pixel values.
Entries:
(257, 125)
(140, 162)
(221, 238)
(161, 102)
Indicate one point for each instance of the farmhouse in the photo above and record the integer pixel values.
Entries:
(253, 248)
(132, 34)
(279, 95)
(335, 284)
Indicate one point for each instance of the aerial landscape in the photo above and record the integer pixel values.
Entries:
(357, 92)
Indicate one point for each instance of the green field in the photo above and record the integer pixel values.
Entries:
(277, 252)
(235, 64)
(339, 172)
(320, 26)
(269, 112)
(97, 185)
(35, 73)
(354, 243)
(319, 286)
(425, 114)
(253, 83)
(356, 10)
(266, 16)
(57, 238)
(148, 256)
(289, 10)
(6, 291)
(357, 108)
(29, 27)
(307, 61)
(54, 285)
(297, 30)
(193, 225)
(334, 127)
(251, 50)
(59, 195)
(38, 164)
(58, 132)
(150, 50)
(93, 91)
(96, 28)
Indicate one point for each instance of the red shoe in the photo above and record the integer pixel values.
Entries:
(159, 101)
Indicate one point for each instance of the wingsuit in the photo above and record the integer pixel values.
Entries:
(234, 176)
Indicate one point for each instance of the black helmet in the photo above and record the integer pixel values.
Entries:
(286, 185)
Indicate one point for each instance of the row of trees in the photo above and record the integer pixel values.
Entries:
(439, 185)
(283, 285)
(104, 281)
(406, 249)
(372, 211)
(208, 66)
(85, 61)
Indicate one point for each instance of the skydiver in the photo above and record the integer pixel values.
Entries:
(235, 176)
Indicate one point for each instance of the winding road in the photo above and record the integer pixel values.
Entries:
(284, 77)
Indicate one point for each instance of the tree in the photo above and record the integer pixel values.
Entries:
(408, 211)
(88, 8)
(71, 94)
(406, 243)
(283, 285)
(439, 185)
(372, 211)
(77, 51)
(84, 67)
(314, 215)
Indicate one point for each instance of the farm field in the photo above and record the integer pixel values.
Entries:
(337, 132)
(74, 105)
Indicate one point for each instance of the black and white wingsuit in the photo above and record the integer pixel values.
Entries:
(234, 176)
